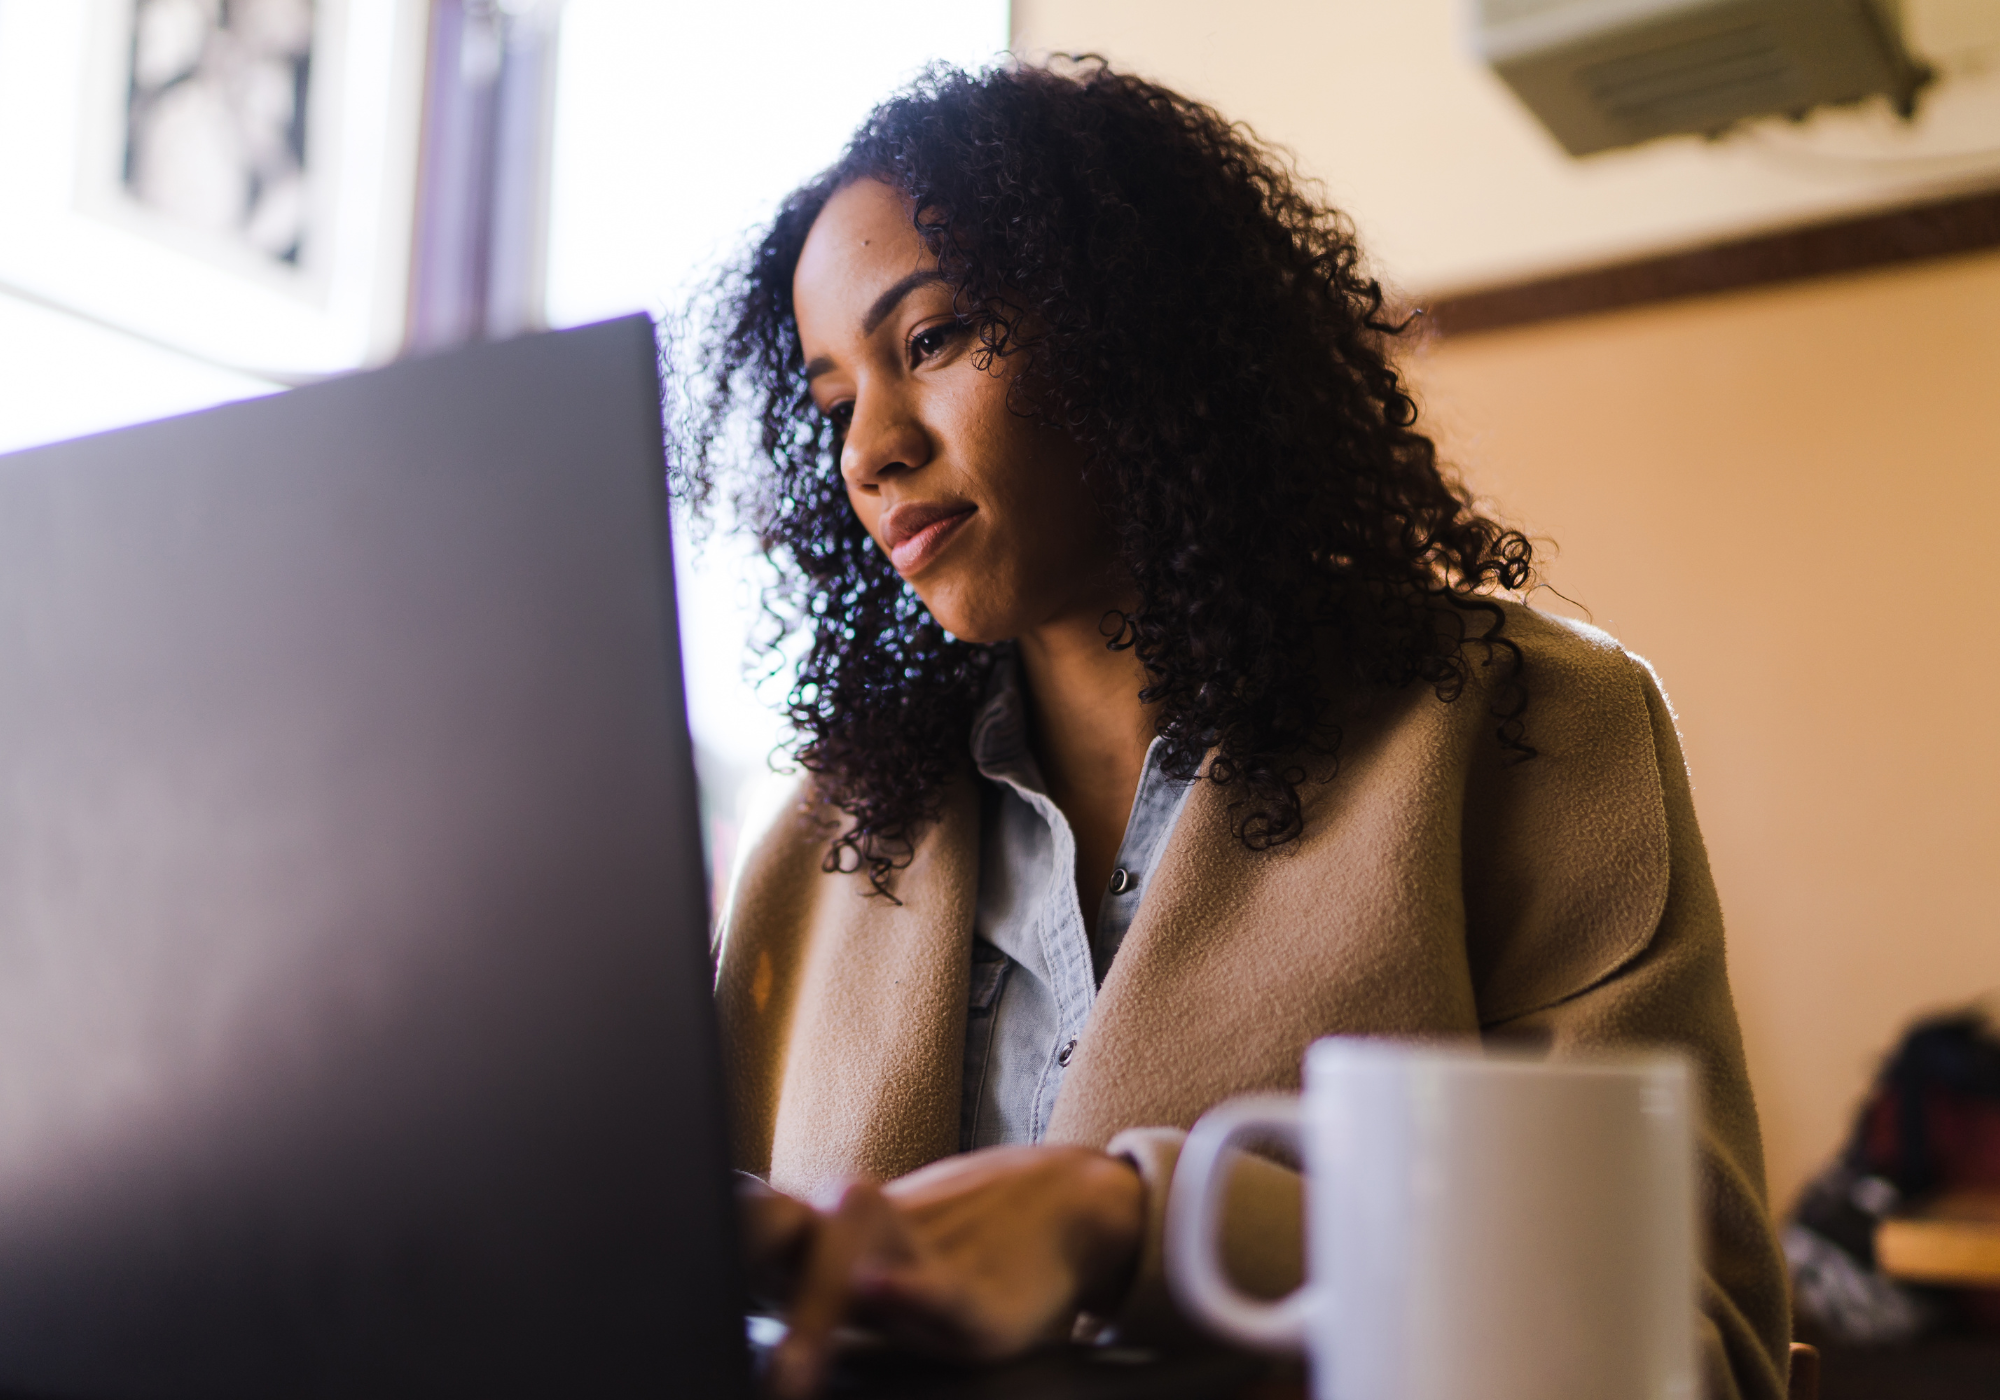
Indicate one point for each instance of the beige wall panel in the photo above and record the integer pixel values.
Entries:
(1787, 500)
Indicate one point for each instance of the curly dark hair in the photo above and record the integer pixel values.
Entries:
(1204, 327)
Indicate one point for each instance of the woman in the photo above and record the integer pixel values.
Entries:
(1160, 715)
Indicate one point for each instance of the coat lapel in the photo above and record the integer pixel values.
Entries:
(1434, 888)
(875, 1004)
(1239, 959)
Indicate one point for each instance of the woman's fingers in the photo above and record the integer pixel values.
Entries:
(1030, 1234)
(776, 1232)
(859, 1239)
(979, 1257)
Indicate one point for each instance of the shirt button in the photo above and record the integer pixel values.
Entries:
(1121, 880)
(1062, 1055)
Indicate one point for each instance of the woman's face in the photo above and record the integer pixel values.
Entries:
(984, 512)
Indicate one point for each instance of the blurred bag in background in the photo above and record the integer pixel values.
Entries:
(1930, 1125)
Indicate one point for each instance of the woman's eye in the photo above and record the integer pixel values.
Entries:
(928, 342)
(840, 415)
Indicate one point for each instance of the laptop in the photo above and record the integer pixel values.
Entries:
(355, 1034)
(355, 1029)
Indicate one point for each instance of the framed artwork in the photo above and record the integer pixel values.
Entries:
(234, 178)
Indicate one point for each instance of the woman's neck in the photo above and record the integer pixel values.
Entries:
(1090, 736)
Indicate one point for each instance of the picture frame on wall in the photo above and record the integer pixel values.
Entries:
(235, 180)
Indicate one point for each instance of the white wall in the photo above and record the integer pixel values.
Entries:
(62, 376)
(1455, 185)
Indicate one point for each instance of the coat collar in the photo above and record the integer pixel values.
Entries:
(1435, 891)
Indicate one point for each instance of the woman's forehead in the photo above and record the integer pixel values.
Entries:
(862, 242)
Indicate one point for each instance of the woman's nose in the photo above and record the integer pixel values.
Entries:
(883, 438)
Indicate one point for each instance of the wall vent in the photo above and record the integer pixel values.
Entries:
(1606, 73)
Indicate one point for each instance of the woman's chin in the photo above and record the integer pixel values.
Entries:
(976, 634)
(980, 626)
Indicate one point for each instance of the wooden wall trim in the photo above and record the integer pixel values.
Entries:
(1959, 225)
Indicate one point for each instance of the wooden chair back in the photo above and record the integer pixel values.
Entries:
(1802, 1381)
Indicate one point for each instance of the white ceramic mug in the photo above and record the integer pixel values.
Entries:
(1480, 1226)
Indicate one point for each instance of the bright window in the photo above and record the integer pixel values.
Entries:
(678, 129)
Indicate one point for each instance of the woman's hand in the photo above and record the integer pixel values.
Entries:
(979, 1256)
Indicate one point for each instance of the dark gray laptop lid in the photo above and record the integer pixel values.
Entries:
(355, 1035)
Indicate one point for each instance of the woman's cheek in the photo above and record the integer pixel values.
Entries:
(867, 509)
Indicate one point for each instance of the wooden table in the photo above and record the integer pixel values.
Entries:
(1950, 1367)
(1071, 1373)
(1953, 1240)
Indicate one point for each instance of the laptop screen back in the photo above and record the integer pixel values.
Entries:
(355, 1035)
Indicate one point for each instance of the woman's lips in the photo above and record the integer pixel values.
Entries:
(916, 532)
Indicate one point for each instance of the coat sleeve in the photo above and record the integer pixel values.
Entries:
(1674, 991)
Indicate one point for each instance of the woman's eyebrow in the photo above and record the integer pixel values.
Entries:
(892, 297)
(894, 294)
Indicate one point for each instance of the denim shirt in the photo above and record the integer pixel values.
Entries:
(1035, 972)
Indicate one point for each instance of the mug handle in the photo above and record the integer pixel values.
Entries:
(1194, 1207)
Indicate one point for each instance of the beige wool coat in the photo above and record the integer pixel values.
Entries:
(1437, 891)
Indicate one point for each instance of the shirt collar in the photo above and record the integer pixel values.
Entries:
(1000, 730)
